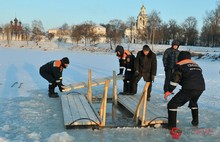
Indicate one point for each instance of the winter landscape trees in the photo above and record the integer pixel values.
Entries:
(156, 31)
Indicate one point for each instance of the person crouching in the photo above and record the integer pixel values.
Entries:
(52, 72)
(189, 75)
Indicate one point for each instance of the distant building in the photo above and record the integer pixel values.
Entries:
(12, 31)
(100, 31)
(131, 34)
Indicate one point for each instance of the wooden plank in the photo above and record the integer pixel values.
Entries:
(73, 109)
(130, 103)
(82, 112)
(127, 103)
(66, 110)
(114, 91)
(89, 110)
(89, 93)
(155, 111)
(95, 82)
(77, 107)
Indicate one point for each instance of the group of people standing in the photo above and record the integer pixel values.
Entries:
(178, 67)
(143, 65)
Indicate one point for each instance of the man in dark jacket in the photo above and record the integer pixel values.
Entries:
(189, 75)
(126, 60)
(169, 61)
(146, 67)
(52, 72)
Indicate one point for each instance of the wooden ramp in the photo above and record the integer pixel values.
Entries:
(94, 82)
(77, 111)
(130, 102)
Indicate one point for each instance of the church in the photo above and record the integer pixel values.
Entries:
(12, 31)
(132, 34)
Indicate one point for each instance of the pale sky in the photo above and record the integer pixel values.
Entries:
(54, 13)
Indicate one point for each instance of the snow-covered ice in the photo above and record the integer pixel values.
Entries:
(28, 114)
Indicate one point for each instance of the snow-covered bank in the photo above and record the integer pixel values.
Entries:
(28, 114)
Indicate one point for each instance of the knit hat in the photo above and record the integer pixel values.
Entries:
(184, 55)
(146, 48)
(65, 60)
(119, 49)
(175, 42)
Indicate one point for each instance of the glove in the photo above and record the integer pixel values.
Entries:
(165, 68)
(152, 78)
(62, 87)
(66, 88)
(166, 95)
(136, 73)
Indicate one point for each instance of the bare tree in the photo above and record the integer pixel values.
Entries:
(26, 31)
(130, 24)
(115, 31)
(173, 29)
(76, 34)
(153, 24)
(212, 21)
(190, 31)
(8, 31)
(87, 30)
(37, 30)
(163, 33)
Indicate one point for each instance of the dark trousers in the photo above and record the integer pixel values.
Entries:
(135, 85)
(128, 81)
(168, 74)
(180, 99)
(49, 77)
(184, 96)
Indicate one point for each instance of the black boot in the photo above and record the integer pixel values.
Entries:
(51, 93)
(195, 119)
(171, 118)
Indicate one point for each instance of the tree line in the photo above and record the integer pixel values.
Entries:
(156, 31)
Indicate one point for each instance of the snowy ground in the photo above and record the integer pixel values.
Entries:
(27, 114)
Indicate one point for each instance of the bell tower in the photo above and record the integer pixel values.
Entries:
(142, 18)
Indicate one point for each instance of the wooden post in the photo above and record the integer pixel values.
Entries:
(114, 91)
(142, 99)
(89, 93)
(104, 103)
(145, 103)
(114, 97)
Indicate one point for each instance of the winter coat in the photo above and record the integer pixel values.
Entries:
(189, 75)
(170, 57)
(126, 61)
(146, 64)
(55, 69)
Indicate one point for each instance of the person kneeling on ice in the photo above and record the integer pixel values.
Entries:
(189, 75)
(52, 72)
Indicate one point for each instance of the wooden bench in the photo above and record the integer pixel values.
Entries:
(77, 111)
(130, 102)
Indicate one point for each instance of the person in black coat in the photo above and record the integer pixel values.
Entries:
(189, 75)
(169, 60)
(52, 72)
(126, 62)
(146, 67)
